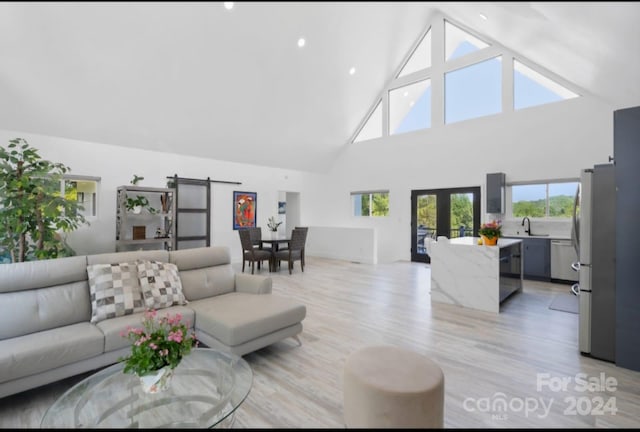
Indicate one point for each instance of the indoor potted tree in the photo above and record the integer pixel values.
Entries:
(33, 211)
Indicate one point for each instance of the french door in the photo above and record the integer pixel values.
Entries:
(453, 212)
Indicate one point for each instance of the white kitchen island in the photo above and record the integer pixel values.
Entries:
(475, 276)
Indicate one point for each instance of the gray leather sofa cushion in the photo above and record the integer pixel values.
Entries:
(31, 311)
(236, 318)
(113, 327)
(45, 273)
(204, 272)
(189, 259)
(206, 282)
(39, 352)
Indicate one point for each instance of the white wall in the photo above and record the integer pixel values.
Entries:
(539, 143)
(545, 142)
(117, 165)
(349, 244)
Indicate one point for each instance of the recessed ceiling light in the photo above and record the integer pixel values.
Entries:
(406, 94)
(352, 71)
(228, 5)
(301, 42)
(483, 16)
(411, 103)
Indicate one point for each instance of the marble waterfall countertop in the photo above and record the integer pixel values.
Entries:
(472, 275)
(473, 241)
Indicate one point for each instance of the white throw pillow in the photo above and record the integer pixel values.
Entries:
(115, 290)
(160, 284)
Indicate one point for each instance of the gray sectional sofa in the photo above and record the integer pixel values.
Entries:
(47, 309)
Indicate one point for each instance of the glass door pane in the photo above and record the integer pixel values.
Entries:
(452, 213)
(424, 222)
(461, 215)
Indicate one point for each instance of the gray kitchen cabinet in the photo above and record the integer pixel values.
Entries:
(495, 193)
(536, 258)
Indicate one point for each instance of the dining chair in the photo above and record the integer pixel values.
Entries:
(251, 253)
(256, 236)
(293, 252)
(306, 231)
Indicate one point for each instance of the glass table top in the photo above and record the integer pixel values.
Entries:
(206, 389)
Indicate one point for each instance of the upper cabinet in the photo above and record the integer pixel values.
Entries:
(145, 218)
(495, 193)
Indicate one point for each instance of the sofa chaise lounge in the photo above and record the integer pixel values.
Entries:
(56, 321)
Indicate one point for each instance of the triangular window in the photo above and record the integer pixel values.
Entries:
(421, 57)
(531, 88)
(372, 127)
(432, 87)
(458, 42)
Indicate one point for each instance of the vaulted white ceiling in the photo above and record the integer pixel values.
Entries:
(197, 79)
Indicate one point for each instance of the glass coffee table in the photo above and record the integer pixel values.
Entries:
(206, 389)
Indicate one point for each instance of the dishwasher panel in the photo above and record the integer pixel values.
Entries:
(563, 254)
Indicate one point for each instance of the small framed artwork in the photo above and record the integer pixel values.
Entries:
(244, 209)
(282, 207)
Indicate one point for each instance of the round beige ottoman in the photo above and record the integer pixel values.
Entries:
(392, 387)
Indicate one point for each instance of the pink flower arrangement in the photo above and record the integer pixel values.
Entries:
(162, 341)
(491, 229)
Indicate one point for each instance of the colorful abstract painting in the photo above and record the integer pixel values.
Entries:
(244, 209)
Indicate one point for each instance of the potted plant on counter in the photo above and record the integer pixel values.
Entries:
(490, 232)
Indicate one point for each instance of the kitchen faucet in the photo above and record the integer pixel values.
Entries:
(528, 228)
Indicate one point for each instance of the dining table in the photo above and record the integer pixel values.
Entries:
(276, 242)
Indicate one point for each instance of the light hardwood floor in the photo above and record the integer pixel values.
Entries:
(486, 358)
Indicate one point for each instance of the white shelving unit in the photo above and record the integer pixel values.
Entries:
(163, 219)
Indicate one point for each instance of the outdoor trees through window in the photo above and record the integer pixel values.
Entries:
(370, 203)
(543, 199)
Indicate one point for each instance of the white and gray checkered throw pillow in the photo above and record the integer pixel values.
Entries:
(160, 284)
(115, 290)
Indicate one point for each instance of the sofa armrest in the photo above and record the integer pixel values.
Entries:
(253, 284)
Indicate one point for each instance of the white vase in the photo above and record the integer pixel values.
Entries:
(156, 381)
(137, 209)
(274, 235)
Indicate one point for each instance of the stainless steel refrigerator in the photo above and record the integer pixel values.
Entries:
(594, 238)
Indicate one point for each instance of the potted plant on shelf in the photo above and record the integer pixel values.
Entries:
(490, 232)
(136, 204)
(136, 179)
(157, 349)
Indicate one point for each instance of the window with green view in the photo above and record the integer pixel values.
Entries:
(543, 199)
(370, 203)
